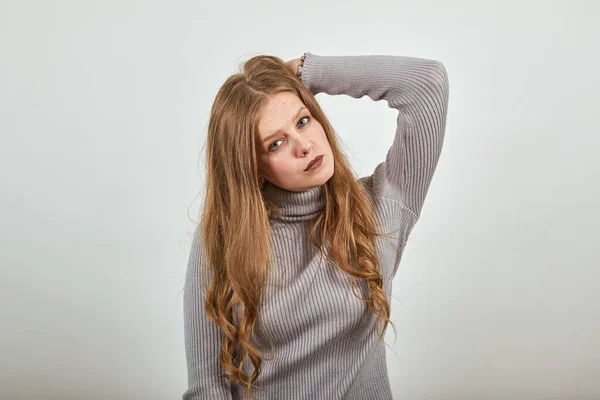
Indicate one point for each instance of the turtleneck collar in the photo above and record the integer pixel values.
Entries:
(295, 206)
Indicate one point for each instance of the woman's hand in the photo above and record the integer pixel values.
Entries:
(293, 64)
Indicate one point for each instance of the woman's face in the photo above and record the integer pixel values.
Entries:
(290, 138)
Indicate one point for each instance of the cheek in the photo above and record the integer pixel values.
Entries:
(324, 141)
(322, 136)
(279, 165)
(269, 166)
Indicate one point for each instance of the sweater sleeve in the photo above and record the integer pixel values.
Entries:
(203, 338)
(418, 89)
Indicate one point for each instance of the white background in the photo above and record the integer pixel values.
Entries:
(103, 113)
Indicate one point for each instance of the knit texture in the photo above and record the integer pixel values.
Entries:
(325, 341)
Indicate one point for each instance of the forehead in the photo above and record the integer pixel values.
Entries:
(278, 112)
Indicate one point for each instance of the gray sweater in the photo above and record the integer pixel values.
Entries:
(324, 337)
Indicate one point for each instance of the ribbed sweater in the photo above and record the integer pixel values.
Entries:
(326, 344)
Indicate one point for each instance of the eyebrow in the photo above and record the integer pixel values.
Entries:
(279, 130)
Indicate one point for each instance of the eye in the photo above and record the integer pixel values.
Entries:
(275, 148)
(271, 148)
(302, 119)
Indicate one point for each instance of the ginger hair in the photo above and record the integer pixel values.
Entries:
(238, 255)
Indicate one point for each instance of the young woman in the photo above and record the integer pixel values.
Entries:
(290, 273)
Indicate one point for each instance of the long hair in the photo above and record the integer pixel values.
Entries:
(238, 254)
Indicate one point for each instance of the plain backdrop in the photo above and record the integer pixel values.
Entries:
(104, 107)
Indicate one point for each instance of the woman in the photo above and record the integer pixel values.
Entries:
(265, 316)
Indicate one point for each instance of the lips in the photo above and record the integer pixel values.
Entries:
(314, 160)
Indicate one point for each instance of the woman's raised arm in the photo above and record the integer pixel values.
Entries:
(418, 89)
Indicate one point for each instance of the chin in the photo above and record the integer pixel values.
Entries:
(321, 181)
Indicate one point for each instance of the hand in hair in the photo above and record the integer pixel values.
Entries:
(293, 64)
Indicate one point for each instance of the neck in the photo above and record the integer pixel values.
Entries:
(295, 206)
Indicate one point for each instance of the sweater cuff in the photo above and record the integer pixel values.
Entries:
(306, 71)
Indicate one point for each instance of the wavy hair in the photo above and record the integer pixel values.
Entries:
(344, 233)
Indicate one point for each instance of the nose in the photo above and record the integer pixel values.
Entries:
(303, 146)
